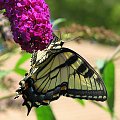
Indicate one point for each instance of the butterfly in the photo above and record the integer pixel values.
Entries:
(58, 71)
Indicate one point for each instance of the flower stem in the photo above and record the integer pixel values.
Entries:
(7, 96)
(112, 57)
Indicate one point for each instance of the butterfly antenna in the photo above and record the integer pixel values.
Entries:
(60, 36)
(72, 39)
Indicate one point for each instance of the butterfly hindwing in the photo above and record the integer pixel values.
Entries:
(66, 73)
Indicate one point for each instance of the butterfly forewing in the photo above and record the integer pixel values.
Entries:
(66, 73)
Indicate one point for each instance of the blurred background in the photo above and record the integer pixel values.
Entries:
(89, 27)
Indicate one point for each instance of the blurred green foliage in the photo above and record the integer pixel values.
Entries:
(88, 12)
(45, 113)
(22, 60)
(109, 79)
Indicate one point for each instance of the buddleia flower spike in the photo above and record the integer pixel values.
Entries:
(30, 23)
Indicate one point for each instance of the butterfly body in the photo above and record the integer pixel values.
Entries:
(60, 71)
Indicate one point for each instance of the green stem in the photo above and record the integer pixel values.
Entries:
(7, 96)
(112, 57)
(103, 107)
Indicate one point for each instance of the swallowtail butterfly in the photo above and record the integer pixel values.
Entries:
(58, 71)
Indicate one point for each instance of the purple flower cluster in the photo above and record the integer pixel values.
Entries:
(30, 23)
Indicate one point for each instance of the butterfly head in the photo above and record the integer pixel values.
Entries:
(27, 91)
(24, 84)
(56, 43)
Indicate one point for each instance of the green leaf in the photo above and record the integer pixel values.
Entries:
(82, 102)
(101, 106)
(100, 64)
(4, 73)
(2, 11)
(20, 71)
(58, 21)
(44, 113)
(23, 59)
(109, 79)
